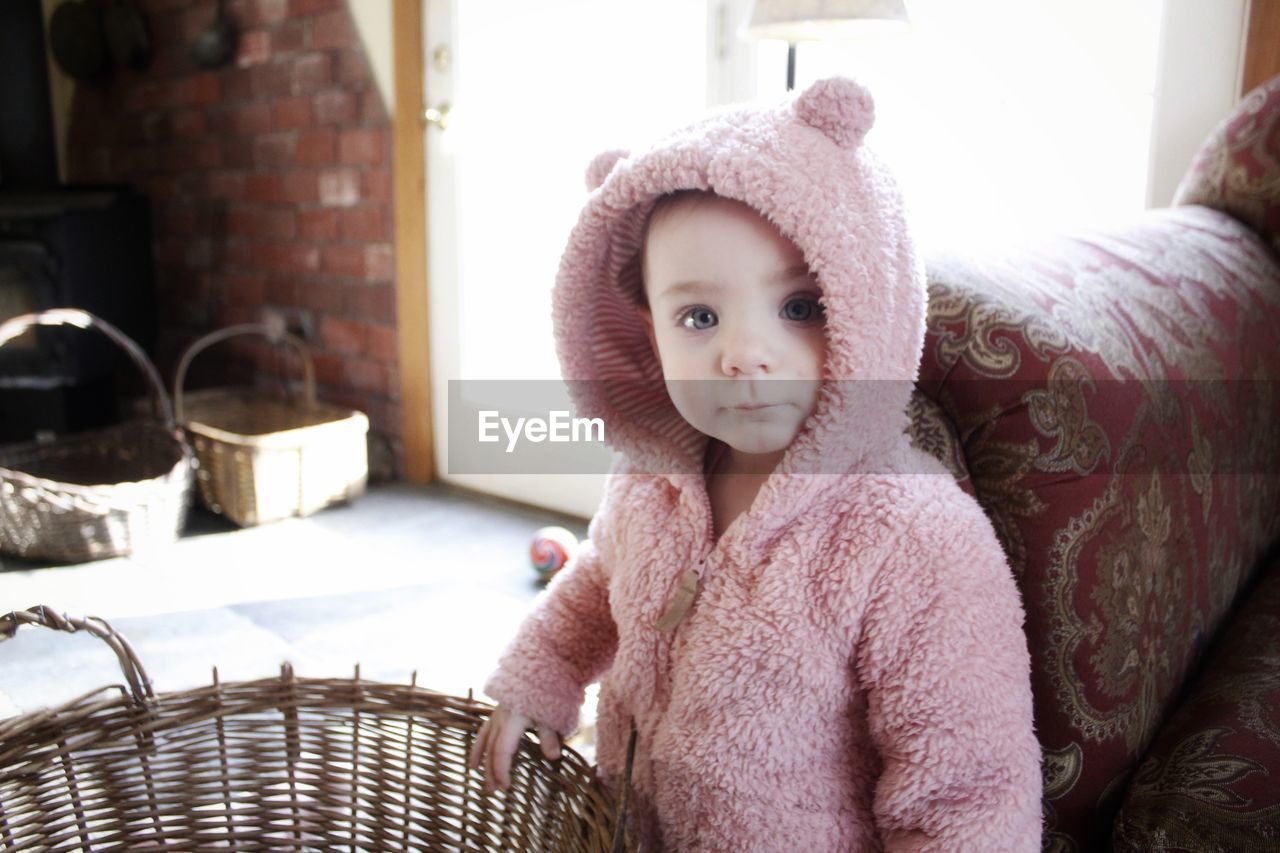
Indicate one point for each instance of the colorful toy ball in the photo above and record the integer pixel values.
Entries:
(550, 549)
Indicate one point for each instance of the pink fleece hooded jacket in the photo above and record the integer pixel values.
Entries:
(852, 674)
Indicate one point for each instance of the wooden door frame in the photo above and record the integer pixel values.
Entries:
(410, 192)
(1262, 44)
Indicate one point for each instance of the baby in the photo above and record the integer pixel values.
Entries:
(812, 629)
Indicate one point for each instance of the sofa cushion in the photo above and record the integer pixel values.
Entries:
(1238, 168)
(1115, 398)
(1209, 779)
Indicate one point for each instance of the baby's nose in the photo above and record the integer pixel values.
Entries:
(746, 352)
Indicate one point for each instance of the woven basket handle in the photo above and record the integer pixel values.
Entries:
(82, 319)
(139, 682)
(624, 804)
(274, 335)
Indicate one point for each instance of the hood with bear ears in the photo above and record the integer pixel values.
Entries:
(801, 164)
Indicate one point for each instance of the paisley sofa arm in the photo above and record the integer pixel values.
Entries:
(1237, 170)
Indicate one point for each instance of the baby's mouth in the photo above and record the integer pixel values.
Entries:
(754, 408)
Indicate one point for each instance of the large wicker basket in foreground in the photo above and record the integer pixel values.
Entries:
(278, 764)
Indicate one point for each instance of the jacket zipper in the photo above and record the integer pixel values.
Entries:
(710, 543)
(672, 633)
(688, 588)
(681, 603)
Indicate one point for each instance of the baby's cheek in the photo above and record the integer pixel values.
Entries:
(679, 360)
(813, 351)
(690, 399)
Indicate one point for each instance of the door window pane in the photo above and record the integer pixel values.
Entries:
(541, 89)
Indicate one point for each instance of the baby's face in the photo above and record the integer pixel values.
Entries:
(733, 308)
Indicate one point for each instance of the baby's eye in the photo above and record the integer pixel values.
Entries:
(802, 309)
(698, 318)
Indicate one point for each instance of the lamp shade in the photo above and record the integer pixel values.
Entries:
(813, 20)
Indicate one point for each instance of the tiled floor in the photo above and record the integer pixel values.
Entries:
(406, 578)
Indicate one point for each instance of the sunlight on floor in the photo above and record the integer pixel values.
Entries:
(428, 579)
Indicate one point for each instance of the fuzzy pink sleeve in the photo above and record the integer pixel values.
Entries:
(945, 666)
(562, 646)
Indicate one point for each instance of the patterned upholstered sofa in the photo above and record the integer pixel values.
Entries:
(1112, 399)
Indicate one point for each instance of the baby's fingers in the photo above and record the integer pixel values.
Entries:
(502, 747)
(478, 749)
(550, 742)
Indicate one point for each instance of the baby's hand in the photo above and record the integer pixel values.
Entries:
(497, 741)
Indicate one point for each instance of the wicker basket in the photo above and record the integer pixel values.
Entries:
(285, 763)
(102, 493)
(263, 459)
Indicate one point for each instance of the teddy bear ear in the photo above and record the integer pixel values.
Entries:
(839, 107)
(602, 165)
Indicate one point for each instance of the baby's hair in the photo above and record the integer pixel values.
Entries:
(661, 209)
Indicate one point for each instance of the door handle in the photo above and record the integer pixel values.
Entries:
(438, 116)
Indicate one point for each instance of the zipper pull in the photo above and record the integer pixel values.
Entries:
(681, 601)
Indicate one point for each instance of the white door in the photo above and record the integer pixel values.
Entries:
(534, 91)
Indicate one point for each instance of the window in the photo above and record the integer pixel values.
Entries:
(545, 87)
(1002, 116)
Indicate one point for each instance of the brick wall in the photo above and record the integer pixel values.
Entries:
(270, 186)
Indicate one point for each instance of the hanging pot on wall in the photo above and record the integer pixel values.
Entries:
(78, 40)
(128, 37)
(86, 36)
(217, 43)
